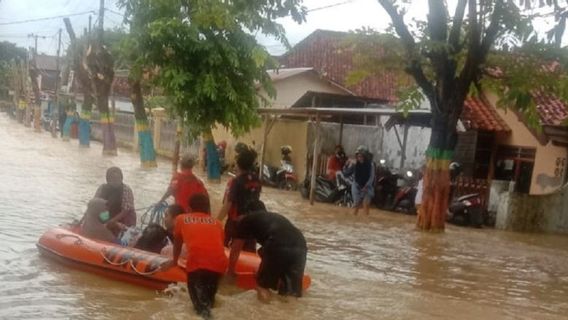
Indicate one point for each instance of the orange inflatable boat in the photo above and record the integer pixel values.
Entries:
(128, 264)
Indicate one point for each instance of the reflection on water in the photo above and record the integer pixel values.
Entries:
(374, 267)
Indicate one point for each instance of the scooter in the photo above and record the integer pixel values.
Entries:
(344, 191)
(466, 211)
(406, 194)
(385, 186)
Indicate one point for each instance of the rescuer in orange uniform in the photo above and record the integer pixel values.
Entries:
(203, 237)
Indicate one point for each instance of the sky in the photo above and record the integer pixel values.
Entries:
(338, 15)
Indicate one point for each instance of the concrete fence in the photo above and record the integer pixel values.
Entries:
(163, 132)
(534, 213)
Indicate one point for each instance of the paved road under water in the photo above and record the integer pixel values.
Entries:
(373, 267)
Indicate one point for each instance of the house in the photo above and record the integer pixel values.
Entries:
(47, 66)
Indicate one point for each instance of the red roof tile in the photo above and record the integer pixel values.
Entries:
(325, 51)
(551, 110)
(477, 115)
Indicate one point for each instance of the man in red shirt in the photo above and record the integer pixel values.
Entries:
(206, 260)
(185, 184)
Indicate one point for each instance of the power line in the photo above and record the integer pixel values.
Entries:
(330, 6)
(115, 12)
(46, 18)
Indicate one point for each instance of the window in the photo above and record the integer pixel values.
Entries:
(515, 164)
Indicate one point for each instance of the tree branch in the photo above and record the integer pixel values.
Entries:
(474, 40)
(414, 65)
(437, 20)
(492, 29)
(455, 33)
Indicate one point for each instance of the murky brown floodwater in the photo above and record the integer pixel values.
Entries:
(362, 267)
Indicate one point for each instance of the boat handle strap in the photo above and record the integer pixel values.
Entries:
(119, 264)
(133, 267)
(78, 242)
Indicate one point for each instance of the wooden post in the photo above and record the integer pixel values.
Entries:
(341, 129)
(263, 147)
(177, 148)
(403, 149)
(315, 160)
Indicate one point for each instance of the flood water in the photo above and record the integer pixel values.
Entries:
(373, 267)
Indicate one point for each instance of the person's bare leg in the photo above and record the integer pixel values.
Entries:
(263, 294)
(356, 210)
(366, 206)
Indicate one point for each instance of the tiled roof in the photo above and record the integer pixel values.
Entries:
(477, 115)
(551, 110)
(325, 51)
(45, 62)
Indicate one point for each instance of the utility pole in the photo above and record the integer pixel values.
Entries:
(90, 19)
(55, 109)
(101, 21)
(33, 72)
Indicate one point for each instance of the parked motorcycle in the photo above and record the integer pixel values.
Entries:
(327, 191)
(466, 211)
(404, 200)
(283, 177)
(385, 186)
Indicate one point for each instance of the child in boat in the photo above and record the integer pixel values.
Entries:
(203, 237)
(93, 224)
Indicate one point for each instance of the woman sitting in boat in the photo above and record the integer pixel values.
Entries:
(120, 201)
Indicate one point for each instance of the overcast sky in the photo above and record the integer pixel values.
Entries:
(339, 15)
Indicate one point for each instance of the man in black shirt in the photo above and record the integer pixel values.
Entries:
(241, 191)
(283, 251)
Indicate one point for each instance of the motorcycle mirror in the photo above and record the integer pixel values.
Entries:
(409, 174)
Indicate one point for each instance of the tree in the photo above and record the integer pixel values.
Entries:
(9, 54)
(76, 54)
(207, 59)
(128, 50)
(446, 56)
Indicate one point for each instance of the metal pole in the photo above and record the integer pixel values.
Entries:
(57, 84)
(315, 160)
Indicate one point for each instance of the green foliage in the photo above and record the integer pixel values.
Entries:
(410, 99)
(9, 54)
(443, 66)
(204, 56)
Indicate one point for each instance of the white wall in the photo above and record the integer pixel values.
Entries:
(290, 90)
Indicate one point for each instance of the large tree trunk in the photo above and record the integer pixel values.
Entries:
(88, 101)
(100, 66)
(436, 183)
(82, 73)
(145, 140)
